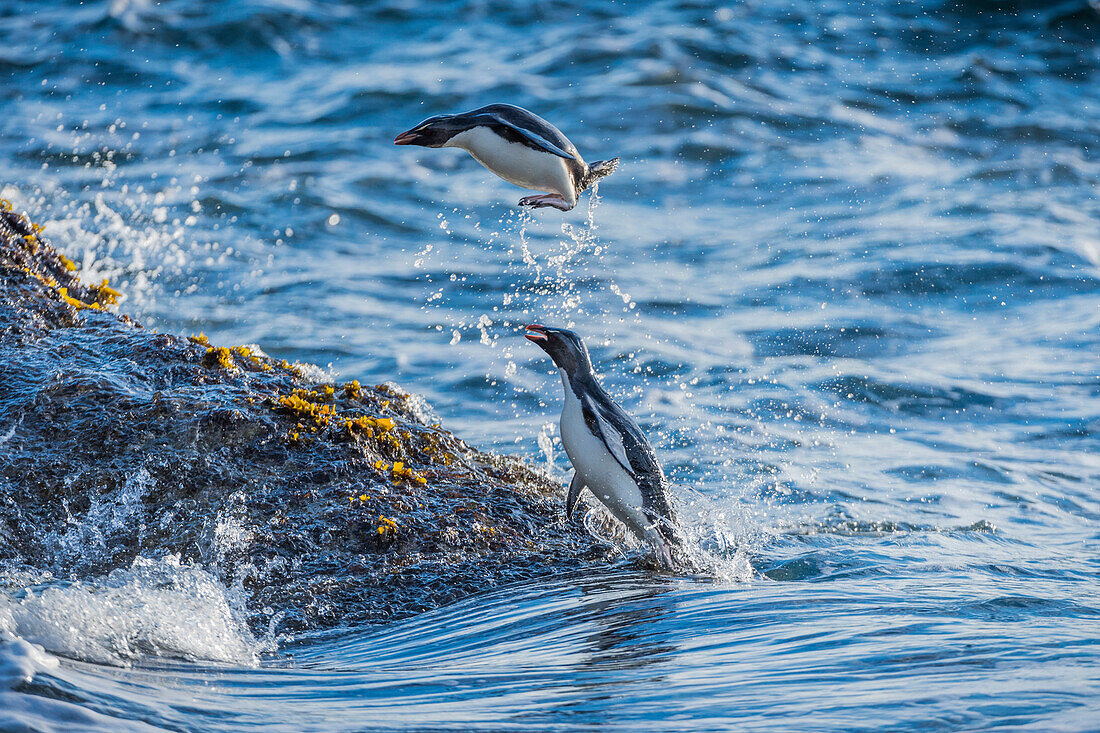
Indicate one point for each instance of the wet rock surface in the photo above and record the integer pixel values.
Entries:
(330, 502)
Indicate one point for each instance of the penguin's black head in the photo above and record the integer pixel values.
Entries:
(564, 347)
(433, 132)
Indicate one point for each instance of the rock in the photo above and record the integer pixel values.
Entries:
(336, 503)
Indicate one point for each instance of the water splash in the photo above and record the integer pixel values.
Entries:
(163, 608)
(85, 541)
(125, 236)
(723, 533)
(546, 441)
(549, 280)
(542, 272)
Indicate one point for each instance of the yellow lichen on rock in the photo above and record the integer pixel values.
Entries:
(231, 358)
(246, 353)
(78, 304)
(386, 526)
(399, 472)
(360, 425)
(47, 281)
(221, 356)
(317, 409)
(105, 294)
(297, 404)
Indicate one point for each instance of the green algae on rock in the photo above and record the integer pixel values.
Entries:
(335, 503)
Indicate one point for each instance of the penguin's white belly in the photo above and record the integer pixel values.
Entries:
(602, 474)
(517, 163)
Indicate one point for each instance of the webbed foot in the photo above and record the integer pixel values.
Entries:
(544, 200)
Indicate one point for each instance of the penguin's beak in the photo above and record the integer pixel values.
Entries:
(536, 333)
(409, 137)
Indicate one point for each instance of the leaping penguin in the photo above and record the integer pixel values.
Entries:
(520, 147)
(610, 455)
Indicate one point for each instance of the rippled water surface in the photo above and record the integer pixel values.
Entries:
(846, 276)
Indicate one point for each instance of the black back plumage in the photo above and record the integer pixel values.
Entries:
(611, 424)
(517, 125)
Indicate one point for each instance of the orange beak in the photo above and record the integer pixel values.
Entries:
(536, 333)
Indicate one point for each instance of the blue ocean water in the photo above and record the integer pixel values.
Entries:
(847, 277)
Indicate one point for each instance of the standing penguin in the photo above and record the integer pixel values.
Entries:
(520, 147)
(610, 455)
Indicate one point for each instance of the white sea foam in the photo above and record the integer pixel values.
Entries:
(20, 662)
(161, 608)
(420, 408)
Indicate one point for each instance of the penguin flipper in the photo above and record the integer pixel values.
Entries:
(611, 436)
(533, 139)
(576, 486)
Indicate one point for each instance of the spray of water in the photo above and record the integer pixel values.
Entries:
(556, 279)
(162, 607)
